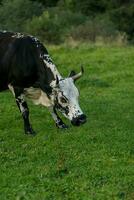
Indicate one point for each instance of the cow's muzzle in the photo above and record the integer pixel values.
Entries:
(79, 120)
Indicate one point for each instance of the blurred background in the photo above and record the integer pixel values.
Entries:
(61, 21)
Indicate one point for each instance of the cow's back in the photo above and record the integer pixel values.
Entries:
(18, 60)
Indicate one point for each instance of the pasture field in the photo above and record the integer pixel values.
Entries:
(91, 162)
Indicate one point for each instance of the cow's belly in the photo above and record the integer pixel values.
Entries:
(37, 96)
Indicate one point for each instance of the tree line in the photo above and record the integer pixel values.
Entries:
(57, 20)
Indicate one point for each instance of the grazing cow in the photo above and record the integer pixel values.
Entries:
(28, 71)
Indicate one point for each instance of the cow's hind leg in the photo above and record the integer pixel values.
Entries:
(23, 107)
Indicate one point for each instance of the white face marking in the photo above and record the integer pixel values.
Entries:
(69, 91)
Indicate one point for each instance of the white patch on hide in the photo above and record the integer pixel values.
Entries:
(21, 100)
(48, 62)
(18, 35)
(11, 89)
(37, 96)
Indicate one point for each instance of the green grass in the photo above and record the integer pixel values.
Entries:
(92, 162)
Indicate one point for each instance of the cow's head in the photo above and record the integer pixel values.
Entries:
(66, 98)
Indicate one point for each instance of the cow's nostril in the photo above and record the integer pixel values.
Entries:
(82, 119)
(79, 120)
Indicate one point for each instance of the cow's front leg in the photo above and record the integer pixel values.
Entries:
(58, 121)
(23, 107)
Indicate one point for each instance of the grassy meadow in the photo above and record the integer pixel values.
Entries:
(91, 162)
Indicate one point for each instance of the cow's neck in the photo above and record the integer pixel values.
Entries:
(48, 82)
(47, 59)
(49, 64)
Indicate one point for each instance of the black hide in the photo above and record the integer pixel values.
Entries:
(21, 63)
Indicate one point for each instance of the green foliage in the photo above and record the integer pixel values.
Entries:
(91, 30)
(91, 162)
(53, 25)
(45, 27)
(48, 3)
(120, 11)
(94, 7)
(69, 17)
(89, 7)
(125, 22)
(13, 14)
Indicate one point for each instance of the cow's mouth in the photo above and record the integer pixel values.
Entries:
(79, 120)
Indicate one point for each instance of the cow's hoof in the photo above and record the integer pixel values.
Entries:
(30, 131)
(62, 126)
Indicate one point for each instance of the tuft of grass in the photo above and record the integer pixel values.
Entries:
(91, 162)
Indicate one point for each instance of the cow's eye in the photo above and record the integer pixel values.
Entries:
(63, 100)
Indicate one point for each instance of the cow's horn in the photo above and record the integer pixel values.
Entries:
(57, 80)
(77, 76)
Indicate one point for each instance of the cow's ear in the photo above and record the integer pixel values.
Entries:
(72, 73)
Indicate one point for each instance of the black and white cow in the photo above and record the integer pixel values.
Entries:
(28, 71)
